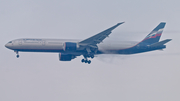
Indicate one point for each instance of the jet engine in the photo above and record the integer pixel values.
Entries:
(66, 57)
(70, 46)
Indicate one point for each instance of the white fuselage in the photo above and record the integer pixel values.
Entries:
(56, 45)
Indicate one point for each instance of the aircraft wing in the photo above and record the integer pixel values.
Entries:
(98, 38)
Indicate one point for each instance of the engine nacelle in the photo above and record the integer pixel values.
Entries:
(66, 57)
(70, 46)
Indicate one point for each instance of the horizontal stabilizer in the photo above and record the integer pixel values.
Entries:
(160, 43)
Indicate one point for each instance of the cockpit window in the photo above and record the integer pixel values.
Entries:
(10, 41)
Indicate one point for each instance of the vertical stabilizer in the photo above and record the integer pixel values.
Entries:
(155, 35)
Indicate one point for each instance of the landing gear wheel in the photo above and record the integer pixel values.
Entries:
(89, 61)
(17, 56)
(82, 60)
(86, 61)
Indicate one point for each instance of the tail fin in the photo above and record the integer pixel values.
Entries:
(155, 35)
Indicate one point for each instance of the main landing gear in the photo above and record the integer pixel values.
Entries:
(85, 60)
(17, 54)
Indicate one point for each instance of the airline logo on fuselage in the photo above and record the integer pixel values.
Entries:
(32, 39)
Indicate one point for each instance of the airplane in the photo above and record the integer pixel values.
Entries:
(69, 49)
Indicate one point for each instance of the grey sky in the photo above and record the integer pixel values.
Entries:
(41, 76)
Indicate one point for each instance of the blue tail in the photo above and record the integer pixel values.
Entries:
(155, 35)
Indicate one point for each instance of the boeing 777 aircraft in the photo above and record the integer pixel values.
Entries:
(70, 49)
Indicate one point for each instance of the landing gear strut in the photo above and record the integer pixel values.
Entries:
(90, 51)
(17, 54)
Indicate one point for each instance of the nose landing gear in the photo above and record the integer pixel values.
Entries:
(17, 54)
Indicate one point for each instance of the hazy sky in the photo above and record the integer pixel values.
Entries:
(152, 76)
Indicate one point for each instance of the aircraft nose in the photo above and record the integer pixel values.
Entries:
(7, 45)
